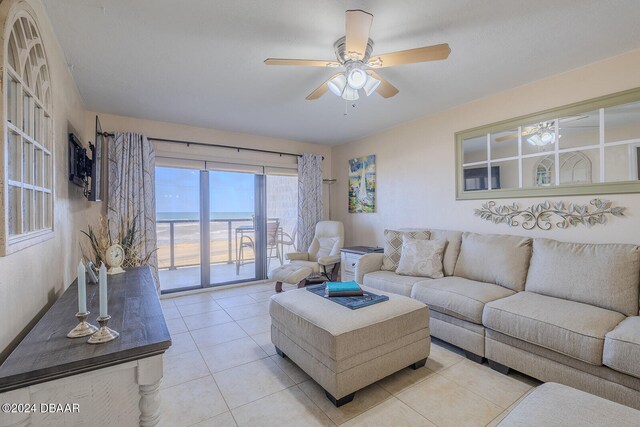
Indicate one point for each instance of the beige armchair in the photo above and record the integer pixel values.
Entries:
(320, 263)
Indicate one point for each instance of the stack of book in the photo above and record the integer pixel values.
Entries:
(343, 289)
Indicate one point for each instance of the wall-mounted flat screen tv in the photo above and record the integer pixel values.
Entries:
(85, 171)
(478, 178)
(95, 191)
(77, 161)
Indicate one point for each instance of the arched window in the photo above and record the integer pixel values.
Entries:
(544, 172)
(575, 168)
(27, 133)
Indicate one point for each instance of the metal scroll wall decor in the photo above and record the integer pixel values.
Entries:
(545, 215)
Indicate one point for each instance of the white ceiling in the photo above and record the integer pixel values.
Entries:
(200, 62)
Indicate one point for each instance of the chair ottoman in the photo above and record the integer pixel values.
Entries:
(554, 404)
(290, 273)
(345, 350)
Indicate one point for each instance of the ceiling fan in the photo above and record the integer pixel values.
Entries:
(543, 133)
(353, 51)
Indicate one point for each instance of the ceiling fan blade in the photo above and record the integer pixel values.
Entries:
(507, 137)
(525, 131)
(302, 62)
(321, 90)
(386, 89)
(357, 27)
(572, 118)
(420, 54)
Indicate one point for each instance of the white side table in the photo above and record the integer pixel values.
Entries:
(349, 257)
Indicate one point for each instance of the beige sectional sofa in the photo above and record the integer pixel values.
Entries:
(556, 311)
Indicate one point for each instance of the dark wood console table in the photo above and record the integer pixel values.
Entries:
(48, 367)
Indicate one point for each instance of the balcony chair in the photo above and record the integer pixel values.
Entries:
(286, 239)
(319, 264)
(248, 242)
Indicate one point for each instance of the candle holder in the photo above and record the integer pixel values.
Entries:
(83, 328)
(104, 334)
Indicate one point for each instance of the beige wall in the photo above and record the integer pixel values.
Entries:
(416, 161)
(31, 279)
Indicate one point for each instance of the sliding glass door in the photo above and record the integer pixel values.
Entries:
(282, 208)
(232, 220)
(220, 224)
(178, 228)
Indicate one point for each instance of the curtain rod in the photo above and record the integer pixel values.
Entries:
(238, 149)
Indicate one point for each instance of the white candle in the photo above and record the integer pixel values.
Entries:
(82, 289)
(103, 290)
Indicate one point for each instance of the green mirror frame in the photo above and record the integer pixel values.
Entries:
(621, 187)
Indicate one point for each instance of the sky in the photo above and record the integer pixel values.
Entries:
(178, 190)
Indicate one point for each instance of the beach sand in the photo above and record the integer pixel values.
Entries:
(187, 245)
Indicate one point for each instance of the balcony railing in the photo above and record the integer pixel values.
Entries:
(230, 222)
(190, 240)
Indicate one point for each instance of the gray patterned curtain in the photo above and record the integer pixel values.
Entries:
(309, 198)
(131, 191)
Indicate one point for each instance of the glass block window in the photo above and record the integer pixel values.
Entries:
(28, 135)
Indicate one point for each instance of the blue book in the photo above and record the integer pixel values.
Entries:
(352, 302)
(351, 286)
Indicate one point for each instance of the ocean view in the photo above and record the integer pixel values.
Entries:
(165, 216)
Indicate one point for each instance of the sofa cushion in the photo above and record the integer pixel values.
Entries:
(393, 246)
(604, 275)
(421, 257)
(388, 281)
(622, 347)
(494, 258)
(568, 327)
(451, 251)
(458, 297)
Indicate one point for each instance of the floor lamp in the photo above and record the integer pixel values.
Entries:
(329, 182)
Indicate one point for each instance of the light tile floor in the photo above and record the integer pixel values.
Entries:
(222, 370)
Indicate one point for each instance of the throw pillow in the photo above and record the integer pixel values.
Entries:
(393, 246)
(421, 258)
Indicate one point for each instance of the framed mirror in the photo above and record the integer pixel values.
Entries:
(591, 147)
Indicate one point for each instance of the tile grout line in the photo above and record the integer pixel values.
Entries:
(263, 397)
(288, 388)
(460, 385)
(211, 374)
(270, 394)
(472, 391)
(416, 383)
(391, 396)
(213, 379)
(227, 342)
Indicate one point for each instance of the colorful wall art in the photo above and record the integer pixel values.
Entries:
(362, 184)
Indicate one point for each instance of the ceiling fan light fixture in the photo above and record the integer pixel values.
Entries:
(543, 134)
(535, 141)
(371, 85)
(542, 139)
(547, 137)
(353, 51)
(356, 78)
(350, 94)
(337, 84)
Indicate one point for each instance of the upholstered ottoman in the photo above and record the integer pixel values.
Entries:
(290, 273)
(345, 350)
(554, 404)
